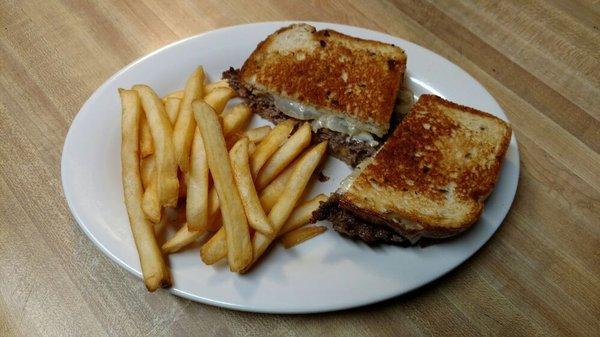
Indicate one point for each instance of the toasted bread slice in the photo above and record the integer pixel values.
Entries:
(328, 73)
(431, 177)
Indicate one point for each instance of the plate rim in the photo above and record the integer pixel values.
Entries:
(240, 307)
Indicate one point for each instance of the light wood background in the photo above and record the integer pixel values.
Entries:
(538, 275)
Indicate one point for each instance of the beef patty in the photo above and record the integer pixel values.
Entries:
(354, 227)
(340, 145)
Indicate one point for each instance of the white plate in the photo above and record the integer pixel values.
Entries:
(323, 274)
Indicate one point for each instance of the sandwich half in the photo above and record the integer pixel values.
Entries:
(348, 87)
(429, 180)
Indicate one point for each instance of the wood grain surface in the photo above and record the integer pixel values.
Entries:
(538, 275)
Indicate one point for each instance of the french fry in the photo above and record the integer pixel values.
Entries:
(268, 198)
(154, 270)
(172, 108)
(167, 183)
(295, 185)
(160, 226)
(213, 202)
(256, 135)
(271, 195)
(151, 202)
(147, 170)
(270, 144)
(236, 119)
(243, 179)
(302, 214)
(197, 191)
(291, 194)
(185, 125)
(182, 238)
(251, 148)
(186, 236)
(215, 248)
(213, 251)
(175, 94)
(300, 235)
(239, 247)
(232, 138)
(219, 84)
(284, 156)
(218, 98)
(146, 146)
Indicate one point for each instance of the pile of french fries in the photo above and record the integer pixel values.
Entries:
(241, 188)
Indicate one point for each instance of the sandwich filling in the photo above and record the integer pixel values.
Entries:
(373, 229)
(346, 140)
(320, 120)
(352, 150)
(348, 224)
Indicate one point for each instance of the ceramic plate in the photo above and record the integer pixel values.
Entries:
(323, 274)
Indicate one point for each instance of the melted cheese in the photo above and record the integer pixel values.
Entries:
(347, 182)
(295, 109)
(320, 120)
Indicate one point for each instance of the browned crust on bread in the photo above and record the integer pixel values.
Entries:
(359, 82)
(421, 159)
(412, 235)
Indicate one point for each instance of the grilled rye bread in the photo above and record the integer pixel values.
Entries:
(429, 180)
(347, 86)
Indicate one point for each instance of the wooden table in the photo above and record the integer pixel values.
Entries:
(539, 274)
